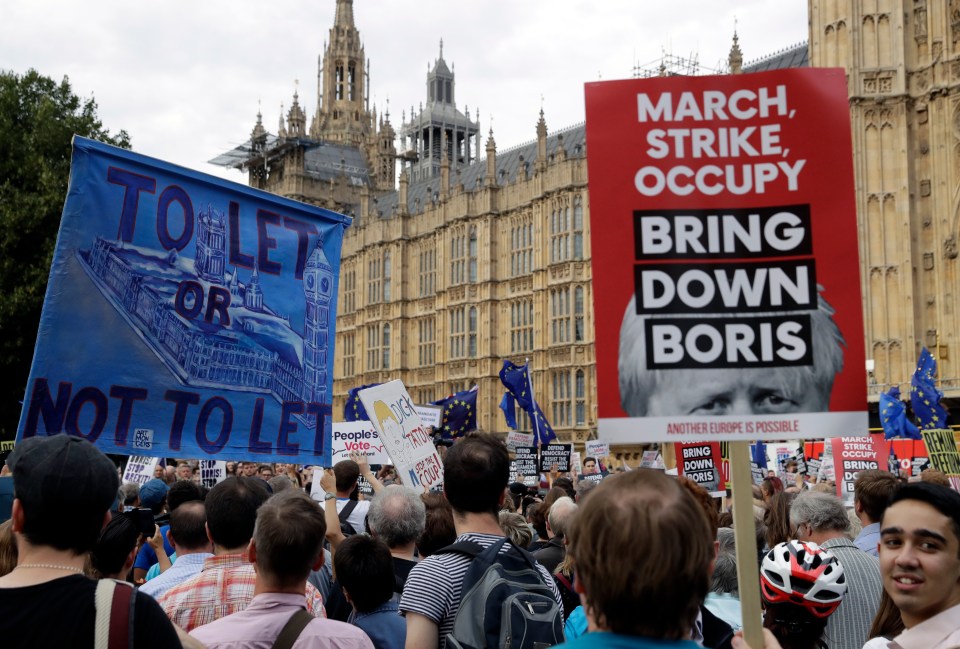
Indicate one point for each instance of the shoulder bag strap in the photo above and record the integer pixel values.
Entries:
(121, 617)
(103, 601)
(292, 629)
(347, 510)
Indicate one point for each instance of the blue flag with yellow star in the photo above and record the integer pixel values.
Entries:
(353, 410)
(516, 378)
(509, 407)
(459, 414)
(893, 416)
(924, 395)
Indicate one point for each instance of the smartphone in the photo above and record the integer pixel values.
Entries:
(144, 520)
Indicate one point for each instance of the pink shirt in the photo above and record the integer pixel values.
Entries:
(258, 626)
(942, 631)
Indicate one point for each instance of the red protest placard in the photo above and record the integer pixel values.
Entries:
(701, 461)
(851, 455)
(729, 276)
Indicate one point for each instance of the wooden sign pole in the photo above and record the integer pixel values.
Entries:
(748, 573)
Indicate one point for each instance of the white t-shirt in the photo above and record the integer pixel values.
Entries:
(358, 516)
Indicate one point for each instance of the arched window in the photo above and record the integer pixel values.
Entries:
(581, 391)
(472, 338)
(386, 276)
(339, 80)
(578, 333)
(472, 265)
(578, 228)
(352, 81)
(386, 346)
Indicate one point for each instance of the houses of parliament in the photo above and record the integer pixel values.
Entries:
(481, 253)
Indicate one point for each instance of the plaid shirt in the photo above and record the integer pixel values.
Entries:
(224, 586)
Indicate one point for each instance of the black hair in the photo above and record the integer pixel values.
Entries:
(183, 491)
(188, 526)
(476, 471)
(944, 499)
(116, 542)
(231, 508)
(364, 567)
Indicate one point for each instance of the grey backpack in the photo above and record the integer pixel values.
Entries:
(505, 601)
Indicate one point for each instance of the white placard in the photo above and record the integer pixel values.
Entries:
(515, 439)
(140, 469)
(430, 415)
(576, 464)
(650, 460)
(212, 472)
(393, 414)
(598, 449)
(358, 436)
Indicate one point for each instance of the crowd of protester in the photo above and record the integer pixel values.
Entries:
(277, 555)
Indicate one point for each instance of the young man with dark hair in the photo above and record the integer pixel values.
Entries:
(226, 583)
(642, 551)
(287, 543)
(364, 569)
(347, 474)
(920, 564)
(871, 493)
(188, 536)
(476, 470)
(63, 488)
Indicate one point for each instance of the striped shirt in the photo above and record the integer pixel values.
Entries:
(849, 626)
(225, 586)
(434, 586)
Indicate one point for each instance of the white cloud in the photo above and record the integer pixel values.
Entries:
(184, 77)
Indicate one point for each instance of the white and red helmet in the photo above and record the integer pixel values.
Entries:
(804, 574)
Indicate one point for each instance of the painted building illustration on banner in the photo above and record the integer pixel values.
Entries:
(210, 328)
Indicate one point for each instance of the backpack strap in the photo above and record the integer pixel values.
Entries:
(292, 629)
(559, 576)
(347, 510)
(114, 603)
(470, 548)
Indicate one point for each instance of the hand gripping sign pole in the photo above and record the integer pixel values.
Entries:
(746, 542)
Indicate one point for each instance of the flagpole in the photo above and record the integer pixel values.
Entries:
(533, 401)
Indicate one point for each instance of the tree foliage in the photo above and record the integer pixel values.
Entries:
(38, 119)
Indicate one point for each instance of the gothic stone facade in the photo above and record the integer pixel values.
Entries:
(902, 59)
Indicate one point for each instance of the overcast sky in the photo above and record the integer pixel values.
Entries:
(184, 77)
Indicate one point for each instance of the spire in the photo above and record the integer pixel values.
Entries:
(491, 179)
(258, 130)
(281, 128)
(735, 61)
(344, 14)
(541, 142)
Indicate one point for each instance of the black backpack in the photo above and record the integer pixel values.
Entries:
(505, 601)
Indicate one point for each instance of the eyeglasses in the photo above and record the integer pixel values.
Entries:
(795, 532)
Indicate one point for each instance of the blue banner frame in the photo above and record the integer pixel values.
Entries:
(186, 316)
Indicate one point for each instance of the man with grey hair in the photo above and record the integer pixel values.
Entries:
(821, 518)
(397, 517)
(561, 512)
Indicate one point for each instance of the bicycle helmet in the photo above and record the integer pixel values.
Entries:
(803, 574)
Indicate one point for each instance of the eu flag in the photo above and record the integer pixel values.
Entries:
(924, 395)
(459, 413)
(893, 416)
(509, 407)
(516, 378)
(758, 454)
(353, 410)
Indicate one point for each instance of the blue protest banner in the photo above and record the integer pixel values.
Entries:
(186, 316)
